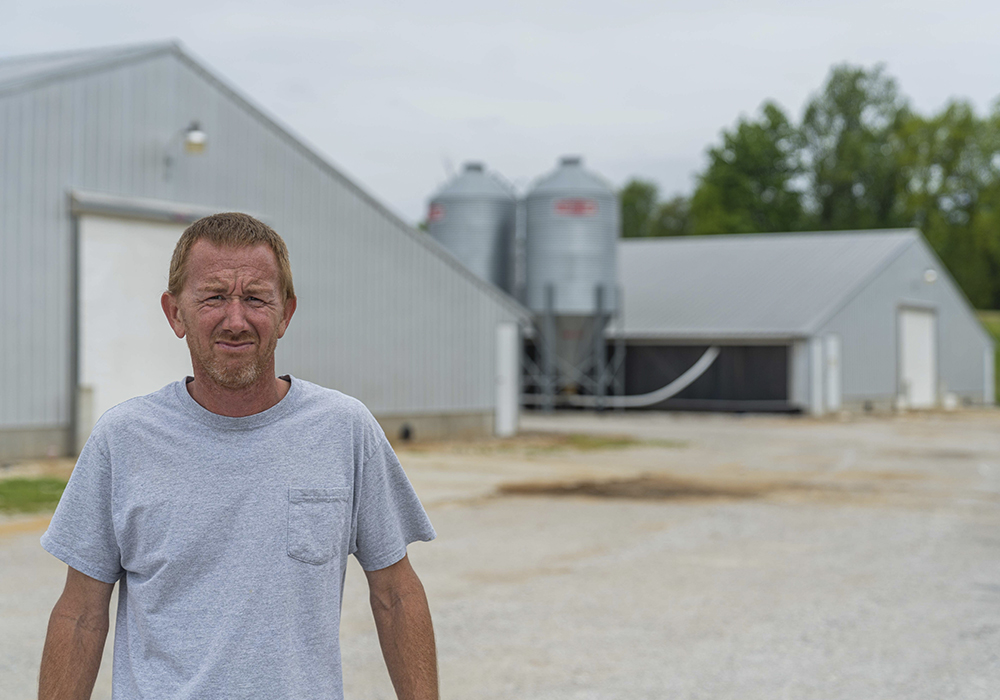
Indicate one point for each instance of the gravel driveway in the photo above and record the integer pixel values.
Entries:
(709, 557)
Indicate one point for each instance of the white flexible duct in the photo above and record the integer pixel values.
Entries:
(654, 397)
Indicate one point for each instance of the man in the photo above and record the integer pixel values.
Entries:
(226, 505)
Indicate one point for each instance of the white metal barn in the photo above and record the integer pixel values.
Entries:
(96, 185)
(816, 322)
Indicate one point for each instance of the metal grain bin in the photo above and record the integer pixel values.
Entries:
(473, 216)
(572, 232)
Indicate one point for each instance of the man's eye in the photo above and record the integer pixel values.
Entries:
(255, 300)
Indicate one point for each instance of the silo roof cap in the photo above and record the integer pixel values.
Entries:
(571, 178)
(473, 182)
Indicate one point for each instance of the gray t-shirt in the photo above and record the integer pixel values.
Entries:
(230, 538)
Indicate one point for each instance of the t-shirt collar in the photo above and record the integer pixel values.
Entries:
(256, 420)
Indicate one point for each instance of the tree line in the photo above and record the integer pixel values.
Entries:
(859, 158)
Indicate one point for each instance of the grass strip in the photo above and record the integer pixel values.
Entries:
(21, 495)
(991, 321)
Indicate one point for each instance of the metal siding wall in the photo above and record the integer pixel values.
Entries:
(8, 139)
(34, 256)
(381, 315)
(868, 330)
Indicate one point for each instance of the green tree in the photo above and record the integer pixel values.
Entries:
(750, 184)
(852, 146)
(860, 159)
(638, 207)
(986, 221)
(951, 173)
(673, 218)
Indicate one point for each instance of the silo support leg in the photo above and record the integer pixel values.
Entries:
(600, 354)
(549, 349)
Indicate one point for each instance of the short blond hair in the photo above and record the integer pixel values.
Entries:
(235, 230)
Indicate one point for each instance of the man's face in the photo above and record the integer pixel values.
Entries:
(231, 311)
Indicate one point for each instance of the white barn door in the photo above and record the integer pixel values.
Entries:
(127, 348)
(917, 358)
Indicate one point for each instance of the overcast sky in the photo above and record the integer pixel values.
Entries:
(396, 94)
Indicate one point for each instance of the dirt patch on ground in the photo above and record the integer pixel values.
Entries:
(859, 487)
(650, 487)
(535, 443)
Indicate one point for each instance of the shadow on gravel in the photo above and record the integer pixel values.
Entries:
(646, 487)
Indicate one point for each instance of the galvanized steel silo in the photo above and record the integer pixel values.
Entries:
(572, 233)
(571, 272)
(473, 216)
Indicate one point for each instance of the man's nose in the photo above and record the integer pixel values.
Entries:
(235, 320)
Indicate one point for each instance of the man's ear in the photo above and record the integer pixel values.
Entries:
(173, 313)
(286, 315)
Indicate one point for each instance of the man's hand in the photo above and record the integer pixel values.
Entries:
(74, 643)
(405, 633)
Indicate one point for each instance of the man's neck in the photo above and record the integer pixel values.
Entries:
(237, 403)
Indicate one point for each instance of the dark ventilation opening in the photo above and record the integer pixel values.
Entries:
(744, 378)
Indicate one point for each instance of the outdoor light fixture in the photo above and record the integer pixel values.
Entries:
(194, 139)
(930, 275)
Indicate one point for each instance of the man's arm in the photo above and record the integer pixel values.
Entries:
(74, 643)
(405, 633)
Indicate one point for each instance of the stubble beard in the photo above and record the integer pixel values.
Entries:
(233, 373)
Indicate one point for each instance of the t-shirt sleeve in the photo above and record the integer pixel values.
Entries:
(81, 532)
(389, 514)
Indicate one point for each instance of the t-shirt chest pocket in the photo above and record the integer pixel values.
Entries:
(318, 518)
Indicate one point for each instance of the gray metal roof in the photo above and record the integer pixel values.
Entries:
(749, 285)
(27, 71)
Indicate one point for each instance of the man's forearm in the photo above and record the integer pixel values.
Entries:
(406, 636)
(74, 645)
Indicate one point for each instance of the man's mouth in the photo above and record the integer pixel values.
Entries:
(234, 346)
